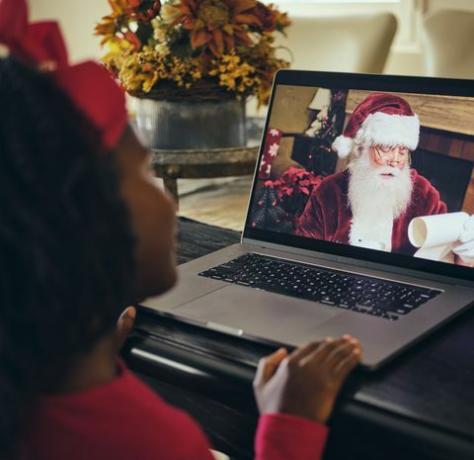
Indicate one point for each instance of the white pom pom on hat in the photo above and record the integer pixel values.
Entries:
(380, 118)
(343, 146)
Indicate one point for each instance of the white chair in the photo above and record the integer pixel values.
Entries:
(358, 43)
(449, 44)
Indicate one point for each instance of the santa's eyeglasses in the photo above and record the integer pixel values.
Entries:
(390, 153)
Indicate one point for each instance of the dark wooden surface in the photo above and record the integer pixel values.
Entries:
(421, 405)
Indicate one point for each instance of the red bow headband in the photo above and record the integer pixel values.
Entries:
(90, 86)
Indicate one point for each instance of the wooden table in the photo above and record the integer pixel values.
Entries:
(172, 165)
(420, 406)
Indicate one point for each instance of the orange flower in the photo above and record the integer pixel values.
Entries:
(124, 12)
(142, 10)
(122, 6)
(146, 10)
(219, 25)
(106, 27)
(116, 26)
(266, 15)
(282, 21)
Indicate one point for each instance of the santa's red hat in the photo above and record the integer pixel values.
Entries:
(380, 118)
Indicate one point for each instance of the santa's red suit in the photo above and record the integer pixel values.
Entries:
(328, 216)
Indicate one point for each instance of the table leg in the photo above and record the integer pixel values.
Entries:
(171, 185)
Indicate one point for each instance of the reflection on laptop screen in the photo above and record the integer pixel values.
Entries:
(384, 171)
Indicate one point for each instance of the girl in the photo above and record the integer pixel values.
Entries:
(84, 232)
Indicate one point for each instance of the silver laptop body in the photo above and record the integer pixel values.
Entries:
(261, 315)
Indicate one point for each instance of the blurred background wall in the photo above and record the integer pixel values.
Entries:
(406, 57)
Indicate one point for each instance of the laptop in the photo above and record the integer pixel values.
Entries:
(355, 221)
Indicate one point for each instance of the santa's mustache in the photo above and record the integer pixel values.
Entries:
(385, 170)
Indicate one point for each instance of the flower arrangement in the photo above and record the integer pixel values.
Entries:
(211, 48)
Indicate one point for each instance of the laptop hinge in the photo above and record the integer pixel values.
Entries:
(351, 264)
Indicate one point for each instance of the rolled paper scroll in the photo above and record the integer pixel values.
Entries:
(437, 235)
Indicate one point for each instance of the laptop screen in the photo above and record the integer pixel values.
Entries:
(370, 172)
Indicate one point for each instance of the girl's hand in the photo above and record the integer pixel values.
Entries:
(307, 382)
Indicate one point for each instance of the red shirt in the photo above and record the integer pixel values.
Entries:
(124, 420)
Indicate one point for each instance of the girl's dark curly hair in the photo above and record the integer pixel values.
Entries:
(66, 246)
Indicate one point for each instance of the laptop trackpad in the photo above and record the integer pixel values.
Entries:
(261, 314)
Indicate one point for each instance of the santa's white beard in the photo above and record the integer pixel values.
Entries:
(376, 201)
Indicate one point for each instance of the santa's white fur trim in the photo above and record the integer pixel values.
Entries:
(342, 145)
(380, 128)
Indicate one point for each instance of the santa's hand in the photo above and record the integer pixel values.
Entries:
(465, 250)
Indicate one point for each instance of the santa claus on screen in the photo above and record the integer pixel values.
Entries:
(372, 202)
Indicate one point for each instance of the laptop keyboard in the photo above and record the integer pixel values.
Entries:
(386, 299)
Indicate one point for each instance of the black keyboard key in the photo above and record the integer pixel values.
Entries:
(327, 301)
(409, 306)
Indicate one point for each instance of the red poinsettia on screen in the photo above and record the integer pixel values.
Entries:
(279, 203)
(293, 188)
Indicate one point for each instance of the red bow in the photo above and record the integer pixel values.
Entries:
(90, 86)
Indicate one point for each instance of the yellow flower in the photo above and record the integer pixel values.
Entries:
(170, 12)
(162, 48)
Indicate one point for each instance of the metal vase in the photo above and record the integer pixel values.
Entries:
(165, 124)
